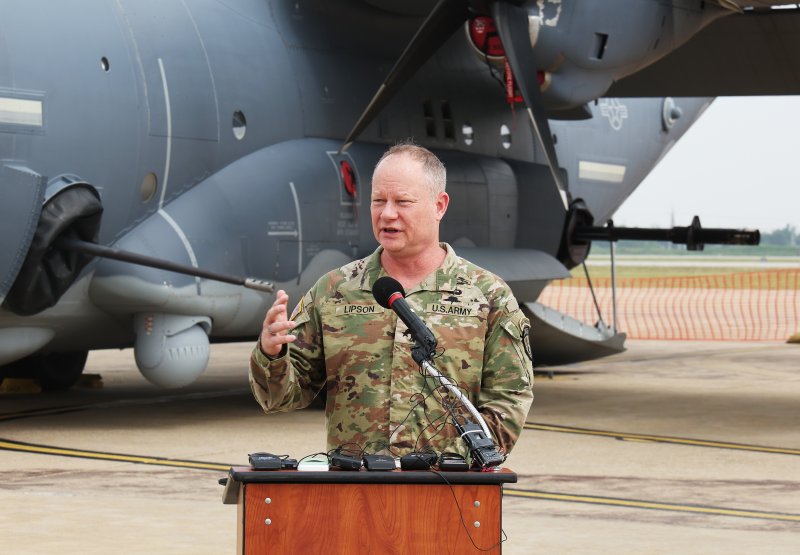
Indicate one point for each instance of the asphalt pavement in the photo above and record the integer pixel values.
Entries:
(670, 447)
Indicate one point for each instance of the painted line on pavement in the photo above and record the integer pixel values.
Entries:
(18, 446)
(661, 439)
(655, 505)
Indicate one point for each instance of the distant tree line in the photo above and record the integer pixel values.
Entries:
(787, 236)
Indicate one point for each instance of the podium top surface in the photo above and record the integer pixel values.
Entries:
(244, 474)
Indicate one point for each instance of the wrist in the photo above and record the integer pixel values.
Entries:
(270, 357)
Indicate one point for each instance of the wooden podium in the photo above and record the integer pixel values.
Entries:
(362, 512)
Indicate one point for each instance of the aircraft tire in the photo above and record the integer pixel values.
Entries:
(54, 371)
(60, 371)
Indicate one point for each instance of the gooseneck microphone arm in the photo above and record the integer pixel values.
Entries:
(390, 294)
(448, 384)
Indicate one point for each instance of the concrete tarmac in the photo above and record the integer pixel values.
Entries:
(670, 447)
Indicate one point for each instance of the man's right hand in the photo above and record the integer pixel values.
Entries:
(276, 325)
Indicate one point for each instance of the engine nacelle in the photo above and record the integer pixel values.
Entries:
(171, 351)
(585, 46)
(581, 47)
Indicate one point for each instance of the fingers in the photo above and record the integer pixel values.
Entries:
(278, 309)
(279, 328)
(276, 325)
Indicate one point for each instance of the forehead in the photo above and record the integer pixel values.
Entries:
(399, 171)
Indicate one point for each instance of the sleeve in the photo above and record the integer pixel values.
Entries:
(292, 380)
(507, 382)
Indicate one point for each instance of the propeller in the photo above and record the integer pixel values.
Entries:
(512, 26)
(444, 19)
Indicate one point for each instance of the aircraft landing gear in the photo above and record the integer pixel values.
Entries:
(53, 371)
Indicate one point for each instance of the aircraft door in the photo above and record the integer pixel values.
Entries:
(325, 198)
(178, 80)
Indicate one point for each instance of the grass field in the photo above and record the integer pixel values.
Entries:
(654, 271)
(710, 272)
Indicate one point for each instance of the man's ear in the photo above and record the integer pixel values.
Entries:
(442, 202)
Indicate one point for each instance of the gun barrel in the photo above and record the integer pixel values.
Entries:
(93, 249)
(679, 235)
(693, 236)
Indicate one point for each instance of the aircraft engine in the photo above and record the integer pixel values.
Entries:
(22, 191)
(171, 351)
(581, 47)
(71, 209)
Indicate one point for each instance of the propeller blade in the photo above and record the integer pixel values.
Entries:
(444, 19)
(512, 26)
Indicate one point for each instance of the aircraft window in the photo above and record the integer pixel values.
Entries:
(239, 125)
(505, 136)
(105, 65)
(468, 133)
(149, 186)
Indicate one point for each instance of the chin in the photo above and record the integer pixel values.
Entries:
(392, 243)
(390, 246)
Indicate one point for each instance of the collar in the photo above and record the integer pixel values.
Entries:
(445, 278)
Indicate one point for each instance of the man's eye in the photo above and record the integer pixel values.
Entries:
(378, 201)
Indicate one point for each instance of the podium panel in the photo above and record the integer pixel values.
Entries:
(368, 512)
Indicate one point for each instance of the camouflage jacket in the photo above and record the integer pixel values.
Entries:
(361, 353)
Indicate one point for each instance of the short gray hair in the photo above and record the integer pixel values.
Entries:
(432, 167)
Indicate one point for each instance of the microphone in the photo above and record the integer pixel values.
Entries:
(390, 294)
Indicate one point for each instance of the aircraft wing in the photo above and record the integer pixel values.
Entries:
(526, 271)
(754, 52)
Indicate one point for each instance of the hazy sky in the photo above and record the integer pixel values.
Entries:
(737, 166)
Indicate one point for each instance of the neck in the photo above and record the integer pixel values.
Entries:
(412, 270)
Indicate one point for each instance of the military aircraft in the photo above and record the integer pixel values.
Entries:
(166, 164)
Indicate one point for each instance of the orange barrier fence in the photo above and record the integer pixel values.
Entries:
(747, 306)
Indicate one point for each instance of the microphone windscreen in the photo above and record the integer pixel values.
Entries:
(384, 288)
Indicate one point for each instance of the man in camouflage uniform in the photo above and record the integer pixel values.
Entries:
(341, 339)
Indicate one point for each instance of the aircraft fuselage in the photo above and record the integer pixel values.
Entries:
(211, 129)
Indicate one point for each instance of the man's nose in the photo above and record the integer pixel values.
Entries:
(389, 211)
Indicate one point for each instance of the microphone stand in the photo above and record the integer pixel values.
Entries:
(477, 436)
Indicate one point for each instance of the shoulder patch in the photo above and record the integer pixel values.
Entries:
(526, 341)
(512, 305)
(299, 308)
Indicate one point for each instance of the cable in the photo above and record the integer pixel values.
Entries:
(314, 455)
(461, 516)
(385, 444)
(431, 423)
